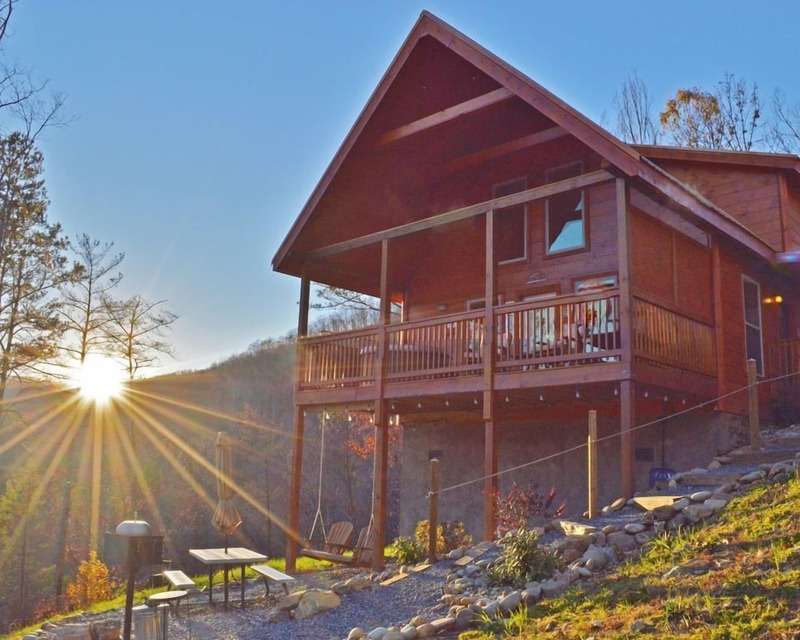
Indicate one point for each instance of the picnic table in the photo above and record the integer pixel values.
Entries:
(226, 558)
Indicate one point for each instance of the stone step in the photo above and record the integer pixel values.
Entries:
(789, 442)
(709, 479)
(648, 503)
(753, 458)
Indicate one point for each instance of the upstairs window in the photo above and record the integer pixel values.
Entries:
(510, 225)
(752, 322)
(565, 214)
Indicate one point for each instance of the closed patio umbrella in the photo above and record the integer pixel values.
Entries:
(226, 516)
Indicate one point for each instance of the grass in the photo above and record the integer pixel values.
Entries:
(736, 579)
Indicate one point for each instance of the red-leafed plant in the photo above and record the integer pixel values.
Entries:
(516, 507)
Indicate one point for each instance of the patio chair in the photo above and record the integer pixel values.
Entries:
(335, 542)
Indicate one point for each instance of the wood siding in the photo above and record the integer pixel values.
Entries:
(793, 221)
(750, 195)
(670, 268)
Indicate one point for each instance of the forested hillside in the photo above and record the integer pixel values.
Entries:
(70, 473)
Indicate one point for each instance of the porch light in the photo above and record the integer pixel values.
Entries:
(773, 300)
(475, 401)
(541, 397)
(577, 393)
(507, 400)
(446, 402)
(646, 394)
(616, 391)
(419, 405)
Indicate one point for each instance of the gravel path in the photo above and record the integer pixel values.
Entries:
(395, 604)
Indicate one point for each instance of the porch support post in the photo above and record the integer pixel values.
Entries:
(719, 344)
(490, 439)
(626, 391)
(293, 534)
(380, 468)
(627, 439)
(299, 425)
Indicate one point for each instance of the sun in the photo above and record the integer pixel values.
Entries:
(99, 378)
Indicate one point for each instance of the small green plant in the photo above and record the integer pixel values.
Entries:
(407, 550)
(92, 584)
(522, 561)
(449, 536)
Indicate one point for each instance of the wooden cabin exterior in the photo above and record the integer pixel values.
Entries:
(541, 267)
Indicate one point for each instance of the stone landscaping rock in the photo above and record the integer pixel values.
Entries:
(510, 602)
(622, 542)
(426, 630)
(106, 629)
(356, 634)
(378, 633)
(314, 602)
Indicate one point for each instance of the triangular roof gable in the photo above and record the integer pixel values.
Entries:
(624, 157)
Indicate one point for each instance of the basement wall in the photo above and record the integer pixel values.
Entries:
(688, 442)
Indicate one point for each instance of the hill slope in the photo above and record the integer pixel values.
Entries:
(738, 578)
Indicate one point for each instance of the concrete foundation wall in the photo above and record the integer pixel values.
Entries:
(688, 441)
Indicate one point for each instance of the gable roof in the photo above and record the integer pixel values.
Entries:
(624, 158)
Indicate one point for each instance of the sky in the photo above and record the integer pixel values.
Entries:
(199, 129)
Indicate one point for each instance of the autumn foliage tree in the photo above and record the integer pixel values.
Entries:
(725, 118)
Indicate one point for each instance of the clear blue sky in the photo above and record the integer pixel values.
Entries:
(202, 127)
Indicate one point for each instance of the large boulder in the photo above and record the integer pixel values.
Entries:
(314, 602)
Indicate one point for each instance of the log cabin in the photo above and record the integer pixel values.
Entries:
(531, 267)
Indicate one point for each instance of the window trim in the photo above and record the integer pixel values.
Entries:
(584, 216)
(525, 243)
(760, 328)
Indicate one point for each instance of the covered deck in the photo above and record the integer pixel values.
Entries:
(533, 343)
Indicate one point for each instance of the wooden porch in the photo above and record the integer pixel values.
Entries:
(533, 340)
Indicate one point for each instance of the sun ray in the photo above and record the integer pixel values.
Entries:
(36, 425)
(36, 496)
(249, 499)
(203, 410)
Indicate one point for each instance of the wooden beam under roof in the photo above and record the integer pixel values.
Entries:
(521, 197)
(445, 115)
(502, 149)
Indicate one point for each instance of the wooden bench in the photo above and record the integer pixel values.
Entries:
(267, 573)
(179, 580)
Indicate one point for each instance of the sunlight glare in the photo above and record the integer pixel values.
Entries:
(99, 378)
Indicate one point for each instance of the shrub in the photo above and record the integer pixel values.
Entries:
(407, 550)
(92, 584)
(516, 507)
(522, 560)
(449, 536)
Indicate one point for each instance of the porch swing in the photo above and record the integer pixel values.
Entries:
(337, 537)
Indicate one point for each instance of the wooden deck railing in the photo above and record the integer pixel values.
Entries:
(544, 334)
(667, 338)
(575, 329)
(784, 360)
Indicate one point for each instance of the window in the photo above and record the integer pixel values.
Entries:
(752, 322)
(565, 214)
(510, 225)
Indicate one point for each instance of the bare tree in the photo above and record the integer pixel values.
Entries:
(136, 331)
(83, 310)
(634, 107)
(785, 127)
